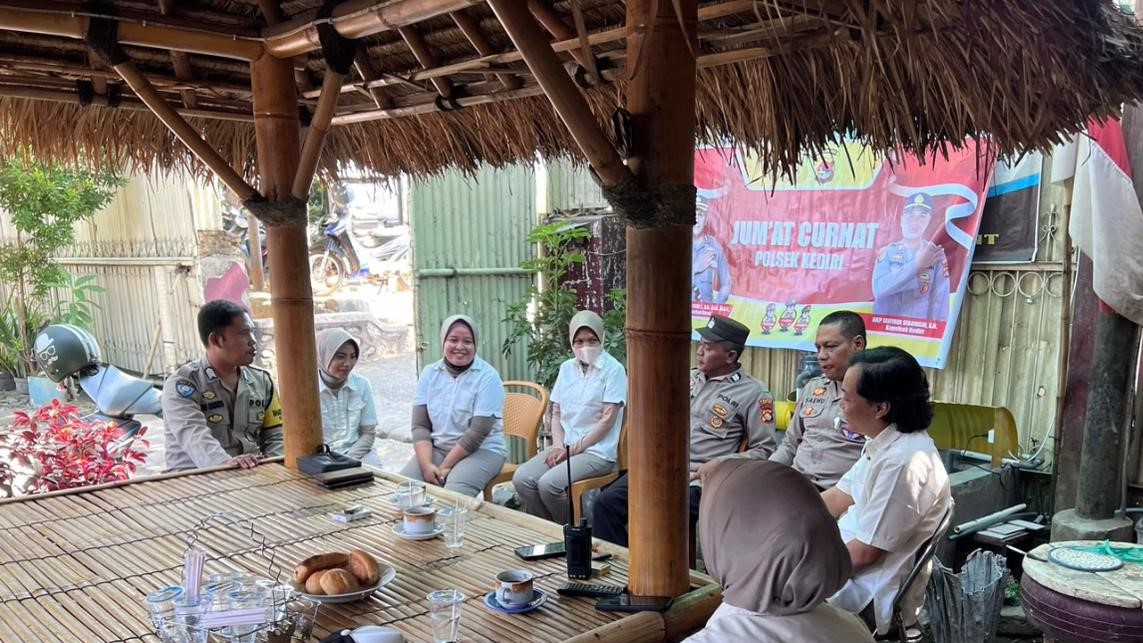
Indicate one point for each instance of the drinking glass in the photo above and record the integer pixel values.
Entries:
(161, 608)
(444, 608)
(452, 521)
(410, 494)
(248, 597)
(188, 619)
(301, 614)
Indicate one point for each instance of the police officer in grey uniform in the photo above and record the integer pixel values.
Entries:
(911, 278)
(707, 261)
(818, 441)
(219, 409)
(729, 411)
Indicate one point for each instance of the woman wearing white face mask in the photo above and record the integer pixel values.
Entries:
(587, 413)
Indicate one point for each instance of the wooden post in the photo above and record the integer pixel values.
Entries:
(277, 131)
(254, 245)
(661, 100)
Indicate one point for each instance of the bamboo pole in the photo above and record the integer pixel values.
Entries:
(468, 25)
(70, 97)
(561, 90)
(661, 100)
(318, 130)
(277, 132)
(254, 260)
(356, 19)
(425, 57)
(141, 34)
(559, 29)
(182, 129)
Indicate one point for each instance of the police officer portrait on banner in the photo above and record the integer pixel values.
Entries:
(819, 443)
(219, 409)
(710, 271)
(911, 276)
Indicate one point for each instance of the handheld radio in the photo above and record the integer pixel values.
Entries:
(577, 538)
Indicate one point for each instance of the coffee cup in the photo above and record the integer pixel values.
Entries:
(419, 520)
(514, 587)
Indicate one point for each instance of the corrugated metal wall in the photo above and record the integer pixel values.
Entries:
(570, 187)
(469, 238)
(142, 249)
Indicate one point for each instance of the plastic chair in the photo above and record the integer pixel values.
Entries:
(598, 482)
(924, 556)
(523, 415)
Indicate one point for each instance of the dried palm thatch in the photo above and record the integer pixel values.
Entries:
(782, 77)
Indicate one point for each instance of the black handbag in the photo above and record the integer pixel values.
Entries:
(324, 461)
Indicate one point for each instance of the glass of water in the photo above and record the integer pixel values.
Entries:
(452, 521)
(444, 608)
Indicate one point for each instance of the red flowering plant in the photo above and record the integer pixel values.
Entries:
(54, 448)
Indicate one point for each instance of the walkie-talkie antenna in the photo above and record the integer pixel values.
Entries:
(571, 505)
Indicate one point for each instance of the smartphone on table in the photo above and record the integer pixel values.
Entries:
(551, 550)
(633, 603)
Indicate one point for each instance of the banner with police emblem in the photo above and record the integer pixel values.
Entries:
(890, 237)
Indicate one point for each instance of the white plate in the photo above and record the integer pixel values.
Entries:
(387, 575)
(399, 529)
(538, 599)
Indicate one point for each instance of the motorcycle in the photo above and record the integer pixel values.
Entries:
(65, 351)
(336, 260)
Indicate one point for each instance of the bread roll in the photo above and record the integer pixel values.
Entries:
(338, 581)
(313, 583)
(314, 563)
(364, 568)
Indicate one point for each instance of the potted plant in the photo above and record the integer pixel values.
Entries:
(44, 203)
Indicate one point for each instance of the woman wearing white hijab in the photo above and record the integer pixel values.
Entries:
(348, 412)
(771, 543)
(587, 413)
(458, 413)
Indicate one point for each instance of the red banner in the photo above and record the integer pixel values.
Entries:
(892, 239)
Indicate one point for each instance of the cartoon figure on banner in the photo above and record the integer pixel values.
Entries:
(708, 261)
(769, 319)
(788, 316)
(803, 321)
(911, 277)
(824, 172)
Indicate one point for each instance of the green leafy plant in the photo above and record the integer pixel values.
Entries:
(542, 316)
(44, 203)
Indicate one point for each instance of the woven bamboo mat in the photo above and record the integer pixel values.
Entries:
(76, 567)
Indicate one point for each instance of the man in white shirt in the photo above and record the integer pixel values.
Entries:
(894, 497)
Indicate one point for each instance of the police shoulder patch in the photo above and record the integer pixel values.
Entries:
(184, 388)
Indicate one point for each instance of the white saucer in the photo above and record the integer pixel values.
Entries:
(399, 529)
(538, 599)
(387, 575)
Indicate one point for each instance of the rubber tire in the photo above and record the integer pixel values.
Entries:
(1072, 620)
(336, 274)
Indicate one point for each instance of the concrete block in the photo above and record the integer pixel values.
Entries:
(1068, 525)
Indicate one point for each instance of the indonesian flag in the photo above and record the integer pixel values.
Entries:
(1106, 217)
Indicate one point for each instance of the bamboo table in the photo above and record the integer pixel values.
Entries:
(75, 566)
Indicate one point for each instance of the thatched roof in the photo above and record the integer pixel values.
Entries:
(782, 76)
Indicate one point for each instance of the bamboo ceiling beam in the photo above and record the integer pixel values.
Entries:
(471, 30)
(179, 126)
(272, 11)
(139, 34)
(356, 19)
(163, 82)
(424, 56)
(126, 102)
(709, 12)
(569, 103)
(368, 72)
(558, 28)
(180, 60)
(585, 45)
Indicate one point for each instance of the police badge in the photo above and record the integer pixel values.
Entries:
(184, 388)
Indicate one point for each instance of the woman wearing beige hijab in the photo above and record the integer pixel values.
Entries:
(777, 558)
(348, 412)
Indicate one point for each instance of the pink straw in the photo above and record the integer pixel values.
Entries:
(192, 573)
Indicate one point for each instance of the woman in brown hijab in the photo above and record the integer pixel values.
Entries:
(777, 559)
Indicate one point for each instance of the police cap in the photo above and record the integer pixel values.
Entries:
(724, 329)
(920, 202)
